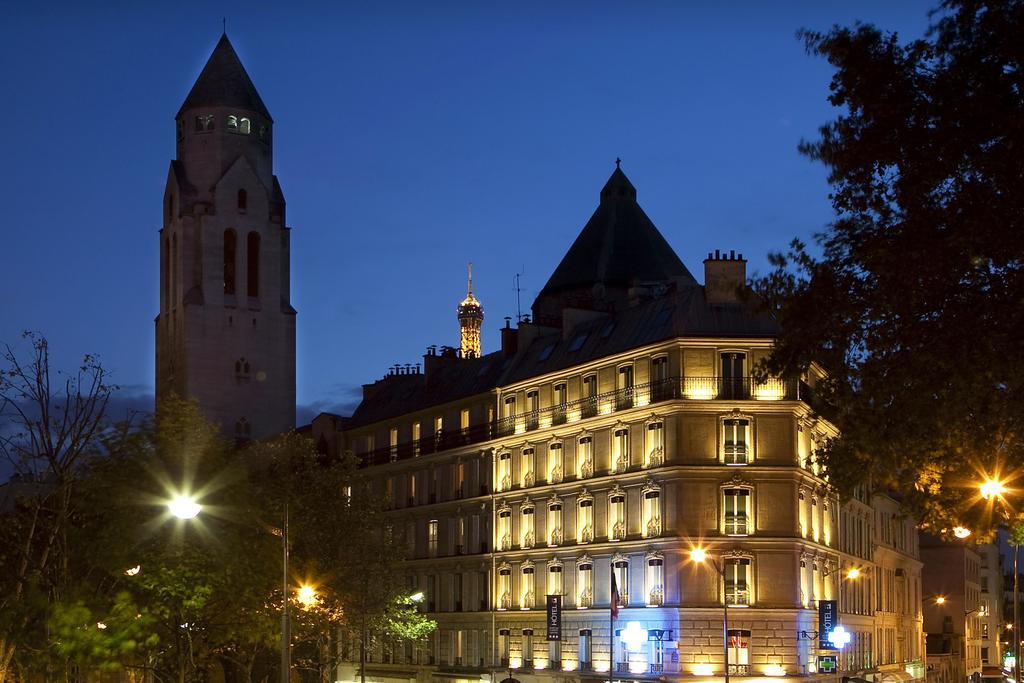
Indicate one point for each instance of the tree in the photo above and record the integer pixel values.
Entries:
(344, 543)
(51, 423)
(914, 306)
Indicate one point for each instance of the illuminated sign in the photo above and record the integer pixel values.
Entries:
(827, 619)
(827, 665)
(554, 617)
(839, 637)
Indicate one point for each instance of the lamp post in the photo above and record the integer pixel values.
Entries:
(185, 508)
(700, 556)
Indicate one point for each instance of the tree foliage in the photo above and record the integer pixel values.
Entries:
(914, 306)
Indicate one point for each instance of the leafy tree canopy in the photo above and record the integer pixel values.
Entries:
(915, 305)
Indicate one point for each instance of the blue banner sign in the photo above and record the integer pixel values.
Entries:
(828, 617)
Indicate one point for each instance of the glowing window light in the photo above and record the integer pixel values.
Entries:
(634, 635)
(703, 669)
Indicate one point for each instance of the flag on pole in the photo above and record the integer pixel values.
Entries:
(615, 597)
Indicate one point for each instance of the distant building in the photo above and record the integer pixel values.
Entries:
(225, 333)
(991, 607)
(610, 436)
(953, 618)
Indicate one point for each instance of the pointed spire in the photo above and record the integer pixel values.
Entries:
(224, 82)
(469, 289)
(618, 185)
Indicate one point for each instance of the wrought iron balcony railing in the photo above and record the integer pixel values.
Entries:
(706, 388)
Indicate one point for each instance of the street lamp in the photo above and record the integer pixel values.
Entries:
(992, 488)
(700, 556)
(186, 507)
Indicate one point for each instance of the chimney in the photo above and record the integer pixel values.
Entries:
(724, 277)
(509, 339)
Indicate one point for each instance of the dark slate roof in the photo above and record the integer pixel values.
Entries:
(680, 312)
(401, 394)
(617, 246)
(224, 83)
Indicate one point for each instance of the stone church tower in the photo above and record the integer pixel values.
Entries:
(225, 335)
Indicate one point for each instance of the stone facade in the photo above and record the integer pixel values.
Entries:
(616, 443)
(225, 334)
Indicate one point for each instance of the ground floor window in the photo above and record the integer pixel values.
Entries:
(739, 651)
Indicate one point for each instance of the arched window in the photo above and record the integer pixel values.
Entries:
(229, 261)
(243, 200)
(244, 126)
(253, 263)
(233, 124)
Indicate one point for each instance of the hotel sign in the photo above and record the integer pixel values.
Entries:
(828, 617)
(554, 617)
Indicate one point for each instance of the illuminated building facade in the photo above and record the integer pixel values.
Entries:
(613, 433)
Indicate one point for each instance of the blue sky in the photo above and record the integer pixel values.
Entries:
(410, 138)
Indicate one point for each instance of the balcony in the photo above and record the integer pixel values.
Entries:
(706, 388)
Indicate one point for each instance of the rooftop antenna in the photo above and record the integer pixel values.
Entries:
(519, 308)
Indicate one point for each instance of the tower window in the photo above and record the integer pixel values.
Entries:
(244, 126)
(204, 123)
(243, 200)
(242, 369)
(243, 430)
(253, 264)
(229, 261)
(232, 124)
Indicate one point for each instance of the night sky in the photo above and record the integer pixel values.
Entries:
(409, 139)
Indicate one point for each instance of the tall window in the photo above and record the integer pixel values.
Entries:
(555, 584)
(651, 513)
(620, 449)
(233, 124)
(416, 436)
(586, 650)
(739, 650)
(737, 581)
(244, 126)
(527, 467)
(504, 587)
(510, 406)
(504, 527)
(585, 457)
(589, 406)
(393, 443)
(528, 648)
(432, 537)
(735, 441)
(526, 524)
(504, 471)
(555, 463)
(204, 123)
(654, 449)
(527, 597)
(585, 518)
(585, 583)
(733, 380)
(554, 522)
(253, 264)
(532, 409)
(736, 508)
(620, 568)
(504, 645)
(624, 398)
(230, 241)
(243, 200)
(660, 389)
(560, 398)
(617, 515)
(654, 579)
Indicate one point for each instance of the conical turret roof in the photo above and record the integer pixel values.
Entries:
(619, 245)
(224, 83)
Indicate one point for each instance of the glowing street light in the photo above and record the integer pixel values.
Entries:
(961, 532)
(940, 600)
(853, 573)
(184, 507)
(418, 596)
(307, 596)
(698, 555)
(992, 488)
